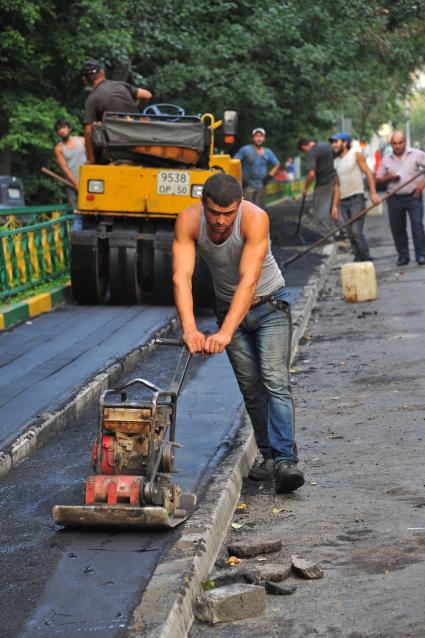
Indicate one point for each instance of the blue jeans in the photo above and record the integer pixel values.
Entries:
(260, 353)
(349, 207)
(398, 206)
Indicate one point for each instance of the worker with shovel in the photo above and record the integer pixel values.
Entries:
(253, 314)
(349, 198)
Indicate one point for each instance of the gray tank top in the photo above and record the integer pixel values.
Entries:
(75, 157)
(223, 261)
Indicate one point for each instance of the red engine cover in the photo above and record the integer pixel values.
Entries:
(107, 466)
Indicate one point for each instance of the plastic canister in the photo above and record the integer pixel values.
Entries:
(359, 281)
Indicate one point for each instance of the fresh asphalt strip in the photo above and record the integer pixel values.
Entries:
(166, 607)
(177, 579)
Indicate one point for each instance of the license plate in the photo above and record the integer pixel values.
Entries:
(173, 183)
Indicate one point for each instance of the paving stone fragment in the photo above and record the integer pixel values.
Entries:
(277, 589)
(233, 602)
(270, 571)
(228, 577)
(248, 549)
(306, 568)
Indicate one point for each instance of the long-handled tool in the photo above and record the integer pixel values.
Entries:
(57, 177)
(348, 223)
(133, 457)
(300, 214)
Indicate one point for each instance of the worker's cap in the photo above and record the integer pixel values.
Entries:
(340, 136)
(258, 130)
(90, 68)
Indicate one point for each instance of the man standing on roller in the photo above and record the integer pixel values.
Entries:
(253, 315)
(106, 95)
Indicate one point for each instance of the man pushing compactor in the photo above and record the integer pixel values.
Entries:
(253, 315)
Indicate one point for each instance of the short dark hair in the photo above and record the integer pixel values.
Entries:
(302, 142)
(60, 123)
(222, 189)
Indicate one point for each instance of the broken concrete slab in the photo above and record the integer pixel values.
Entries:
(227, 577)
(306, 568)
(233, 602)
(277, 589)
(270, 571)
(248, 549)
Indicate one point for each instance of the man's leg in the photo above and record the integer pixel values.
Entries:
(322, 201)
(416, 213)
(271, 323)
(243, 358)
(260, 198)
(345, 211)
(249, 194)
(273, 329)
(359, 239)
(397, 217)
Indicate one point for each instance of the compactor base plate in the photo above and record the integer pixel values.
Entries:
(123, 516)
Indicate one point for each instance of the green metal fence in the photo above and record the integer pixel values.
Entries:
(277, 191)
(34, 246)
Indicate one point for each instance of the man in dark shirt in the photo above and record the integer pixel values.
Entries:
(107, 95)
(320, 167)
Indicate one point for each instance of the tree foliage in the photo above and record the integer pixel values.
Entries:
(291, 67)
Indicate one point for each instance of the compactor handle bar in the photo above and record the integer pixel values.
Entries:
(169, 342)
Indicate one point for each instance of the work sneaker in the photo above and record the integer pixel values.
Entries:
(287, 477)
(263, 471)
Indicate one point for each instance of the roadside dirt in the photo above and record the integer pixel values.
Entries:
(359, 386)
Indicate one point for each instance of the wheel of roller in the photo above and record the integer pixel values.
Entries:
(124, 275)
(89, 272)
(163, 276)
(202, 285)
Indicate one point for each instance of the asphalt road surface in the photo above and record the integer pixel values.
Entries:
(57, 582)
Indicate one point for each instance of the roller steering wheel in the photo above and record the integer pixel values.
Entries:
(168, 110)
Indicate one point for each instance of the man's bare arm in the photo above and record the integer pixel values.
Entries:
(274, 171)
(256, 240)
(88, 129)
(311, 175)
(370, 178)
(143, 94)
(335, 200)
(184, 253)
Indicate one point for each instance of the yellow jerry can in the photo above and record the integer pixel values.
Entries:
(359, 281)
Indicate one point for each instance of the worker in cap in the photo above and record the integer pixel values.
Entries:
(349, 196)
(106, 95)
(259, 166)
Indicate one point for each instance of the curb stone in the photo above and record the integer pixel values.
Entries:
(33, 306)
(166, 607)
(43, 429)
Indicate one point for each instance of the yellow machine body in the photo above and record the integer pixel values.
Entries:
(121, 250)
(136, 191)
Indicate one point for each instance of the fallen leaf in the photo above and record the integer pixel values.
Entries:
(233, 560)
(207, 585)
(294, 370)
(261, 487)
(313, 483)
(236, 525)
(242, 506)
(279, 510)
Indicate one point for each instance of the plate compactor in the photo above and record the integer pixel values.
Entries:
(133, 457)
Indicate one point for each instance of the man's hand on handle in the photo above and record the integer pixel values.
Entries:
(194, 340)
(216, 343)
